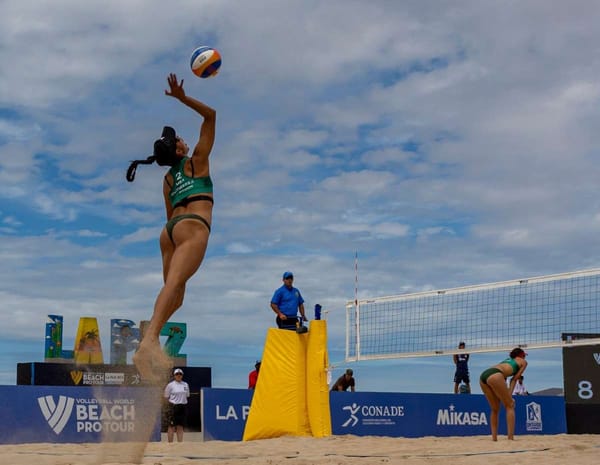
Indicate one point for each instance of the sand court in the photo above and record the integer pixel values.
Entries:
(334, 450)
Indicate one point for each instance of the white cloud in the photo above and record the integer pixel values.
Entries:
(142, 235)
(11, 221)
(237, 247)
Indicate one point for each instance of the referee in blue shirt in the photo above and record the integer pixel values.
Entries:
(286, 303)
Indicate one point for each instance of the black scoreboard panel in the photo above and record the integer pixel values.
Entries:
(583, 419)
(581, 373)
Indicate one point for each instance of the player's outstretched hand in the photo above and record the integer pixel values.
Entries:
(176, 88)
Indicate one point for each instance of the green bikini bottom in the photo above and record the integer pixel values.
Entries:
(487, 373)
(188, 216)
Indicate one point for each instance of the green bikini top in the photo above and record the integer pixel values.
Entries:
(513, 363)
(184, 186)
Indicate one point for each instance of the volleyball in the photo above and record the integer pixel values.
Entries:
(205, 62)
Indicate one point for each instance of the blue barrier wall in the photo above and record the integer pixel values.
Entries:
(61, 414)
(419, 415)
(396, 415)
(224, 413)
(64, 414)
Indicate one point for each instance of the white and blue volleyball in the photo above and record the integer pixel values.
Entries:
(205, 62)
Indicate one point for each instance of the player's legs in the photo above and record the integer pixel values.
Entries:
(497, 383)
(191, 240)
(494, 402)
(180, 261)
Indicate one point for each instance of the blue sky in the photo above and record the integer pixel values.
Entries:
(448, 143)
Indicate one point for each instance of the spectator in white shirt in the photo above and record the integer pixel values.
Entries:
(519, 389)
(177, 393)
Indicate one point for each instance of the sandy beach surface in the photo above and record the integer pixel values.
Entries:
(353, 450)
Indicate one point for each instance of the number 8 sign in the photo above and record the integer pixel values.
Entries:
(581, 370)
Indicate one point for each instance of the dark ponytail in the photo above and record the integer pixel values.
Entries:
(131, 170)
(164, 153)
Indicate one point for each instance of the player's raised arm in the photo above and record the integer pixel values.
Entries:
(207, 130)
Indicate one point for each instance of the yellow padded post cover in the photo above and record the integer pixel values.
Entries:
(278, 405)
(292, 395)
(317, 389)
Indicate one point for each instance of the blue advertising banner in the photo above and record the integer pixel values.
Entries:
(224, 413)
(394, 415)
(419, 415)
(60, 414)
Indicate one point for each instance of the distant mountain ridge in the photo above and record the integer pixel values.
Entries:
(549, 392)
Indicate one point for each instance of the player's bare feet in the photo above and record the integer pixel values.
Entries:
(151, 362)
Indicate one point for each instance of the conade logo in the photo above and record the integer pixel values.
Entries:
(56, 414)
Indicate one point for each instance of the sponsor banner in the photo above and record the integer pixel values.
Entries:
(395, 415)
(72, 374)
(58, 414)
(408, 415)
(418, 415)
(224, 413)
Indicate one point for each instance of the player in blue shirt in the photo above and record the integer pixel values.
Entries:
(462, 370)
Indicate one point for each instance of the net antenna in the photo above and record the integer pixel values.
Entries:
(530, 313)
(356, 304)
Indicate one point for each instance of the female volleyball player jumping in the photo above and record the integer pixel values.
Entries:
(187, 190)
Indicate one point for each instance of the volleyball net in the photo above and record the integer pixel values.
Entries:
(529, 313)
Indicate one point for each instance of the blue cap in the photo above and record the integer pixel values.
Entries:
(288, 274)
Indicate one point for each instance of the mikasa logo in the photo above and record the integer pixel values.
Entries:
(451, 416)
(57, 415)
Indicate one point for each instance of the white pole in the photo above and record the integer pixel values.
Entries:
(356, 306)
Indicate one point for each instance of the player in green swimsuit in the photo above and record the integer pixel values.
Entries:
(188, 196)
(493, 384)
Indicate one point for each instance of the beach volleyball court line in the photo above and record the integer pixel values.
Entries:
(202, 457)
(163, 456)
(491, 452)
(247, 457)
(464, 454)
(357, 456)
